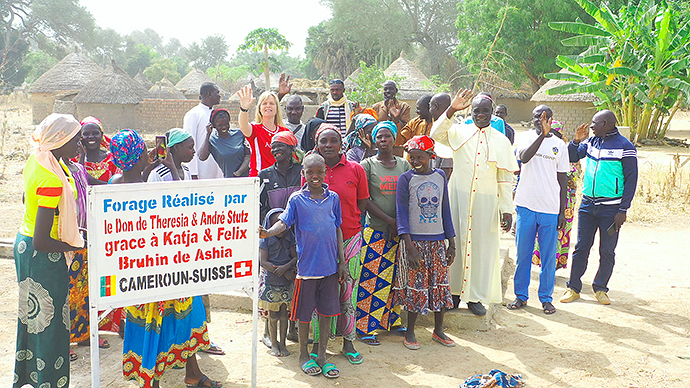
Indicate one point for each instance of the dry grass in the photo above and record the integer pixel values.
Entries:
(663, 191)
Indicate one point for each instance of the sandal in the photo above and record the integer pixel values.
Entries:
(516, 304)
(414, 345)
(370, 340)
(312, 366)
(445, 342)
(548, 308)
(354, 358)
(202, 383)
(73, 356)
(330, 371)
(214, 349)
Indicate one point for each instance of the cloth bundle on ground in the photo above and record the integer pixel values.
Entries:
(495, 378)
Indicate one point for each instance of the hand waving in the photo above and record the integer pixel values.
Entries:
(246, 97)
(462, 99)
(545, 124)
(582, 133)
(284, 85)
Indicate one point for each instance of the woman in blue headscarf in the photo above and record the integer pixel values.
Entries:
(375, 310)
(358, 144)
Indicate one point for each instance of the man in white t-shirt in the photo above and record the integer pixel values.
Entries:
(540, 200)
(195, 122)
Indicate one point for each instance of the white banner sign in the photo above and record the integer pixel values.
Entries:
(166, 240)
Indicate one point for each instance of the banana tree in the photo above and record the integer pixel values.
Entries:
(635, 61)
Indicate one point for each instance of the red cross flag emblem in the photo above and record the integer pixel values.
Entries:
(243, 268)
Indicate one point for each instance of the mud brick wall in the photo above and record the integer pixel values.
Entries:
(156, 116)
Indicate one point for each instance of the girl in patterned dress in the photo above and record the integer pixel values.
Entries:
(424, 222)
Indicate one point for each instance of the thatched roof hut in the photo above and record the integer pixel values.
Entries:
(69, 75)
(113, 86)
(414, 83)
(570, 109)
(350, 81)
(141, 78)
(66, 77)
(190, 84)
(112, 97)
(165, 90)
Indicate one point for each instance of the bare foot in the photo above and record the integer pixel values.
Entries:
(283, 351)
(275, 351)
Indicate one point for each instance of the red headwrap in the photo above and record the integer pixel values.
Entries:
(105, 140)
(286, 137)
(422, 143)
(323, 128)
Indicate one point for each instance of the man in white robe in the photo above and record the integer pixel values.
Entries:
(480, 191)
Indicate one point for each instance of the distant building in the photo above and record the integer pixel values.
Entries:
(62, 81)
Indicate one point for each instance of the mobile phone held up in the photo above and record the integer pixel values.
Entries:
(161, 147)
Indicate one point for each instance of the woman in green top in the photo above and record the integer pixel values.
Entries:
(43, 250)
(374, 300)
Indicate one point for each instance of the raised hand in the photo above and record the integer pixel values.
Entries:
(284, 85)
(246, 97)
(545, 124)
(357, 108)
(209, 128)
(582, 133)
(393, 110)
(462, 99)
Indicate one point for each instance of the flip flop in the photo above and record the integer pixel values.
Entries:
(414, 345)
(516, 304)
(354, 358)
(102, 343)
(73, 356)
(328, 368)
(311, 364)
(214, 349)
(445, 342)
(370, 340)
(202, 383)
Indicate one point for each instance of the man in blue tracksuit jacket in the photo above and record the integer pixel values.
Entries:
(608, 188)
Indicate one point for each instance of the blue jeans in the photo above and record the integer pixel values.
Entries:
(590, 218)
(527, 225)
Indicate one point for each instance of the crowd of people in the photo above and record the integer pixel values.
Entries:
(360, 217)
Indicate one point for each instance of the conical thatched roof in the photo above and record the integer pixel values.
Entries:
(412, 86)
(69, 75)
(191, 83)
(350, 81)
(165, 90)
(113, 86)
(141, 78)
(541, 96)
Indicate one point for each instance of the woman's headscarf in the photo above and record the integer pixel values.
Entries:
(285, 137)
(422, 143)
(556, 126)
(354, 139)
(126, 148)
(323, 128)
(310, 128)
(389, 125)
(105, 140)
(53, 132)
(176, 136)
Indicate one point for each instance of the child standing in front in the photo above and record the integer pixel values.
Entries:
(315, 211)
(424, 222)
(278, 257)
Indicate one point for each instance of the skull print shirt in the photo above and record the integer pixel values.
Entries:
(422, 207)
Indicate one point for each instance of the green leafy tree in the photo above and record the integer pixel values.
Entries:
(368, 89)
(210, 53)
(38, 21)
(635, 61)
(264, 39)
(227, 76)
(139, 57)
(38, 62)
(526, 47)
(162, 67)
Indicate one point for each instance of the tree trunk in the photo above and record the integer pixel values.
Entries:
(266, 71)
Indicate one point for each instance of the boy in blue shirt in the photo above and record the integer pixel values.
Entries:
(316, 213)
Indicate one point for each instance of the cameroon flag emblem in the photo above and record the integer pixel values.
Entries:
(108, 285)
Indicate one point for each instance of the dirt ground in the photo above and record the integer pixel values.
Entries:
(641, 340)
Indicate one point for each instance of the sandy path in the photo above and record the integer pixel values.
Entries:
(635, 342)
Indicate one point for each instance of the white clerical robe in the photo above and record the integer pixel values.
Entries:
(480, 190)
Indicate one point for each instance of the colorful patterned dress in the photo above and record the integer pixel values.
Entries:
(79, 269)
(563, 249)
(42, 357)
